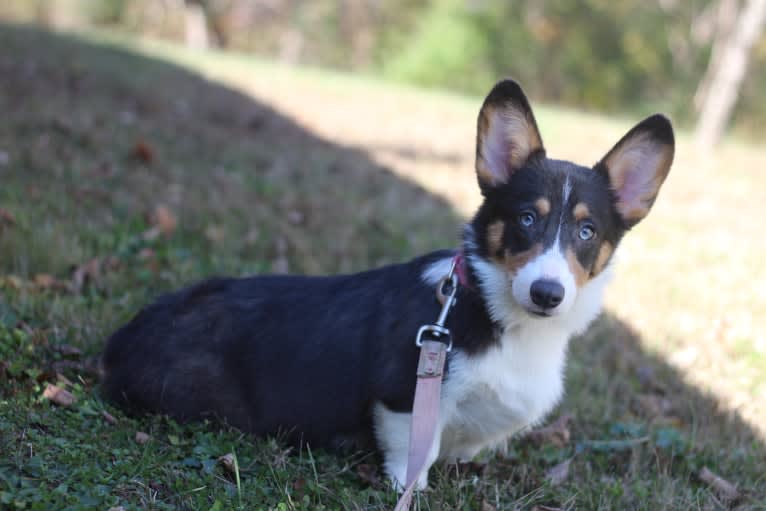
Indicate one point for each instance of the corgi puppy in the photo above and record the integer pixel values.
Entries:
(328, 360)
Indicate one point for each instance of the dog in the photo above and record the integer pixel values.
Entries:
(328, 360)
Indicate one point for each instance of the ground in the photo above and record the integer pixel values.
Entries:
(129, 168)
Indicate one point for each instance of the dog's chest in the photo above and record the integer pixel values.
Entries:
(502, 391)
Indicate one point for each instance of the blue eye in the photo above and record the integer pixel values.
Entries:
(526, 219)
(587, 232)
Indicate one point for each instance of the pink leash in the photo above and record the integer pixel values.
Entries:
(434, 342)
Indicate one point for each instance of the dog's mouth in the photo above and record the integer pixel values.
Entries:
(540, 313)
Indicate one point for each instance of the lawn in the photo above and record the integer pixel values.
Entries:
(128, 168)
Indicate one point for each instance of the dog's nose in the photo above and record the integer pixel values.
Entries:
(547, 293)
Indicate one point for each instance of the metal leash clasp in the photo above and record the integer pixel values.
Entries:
(437, 331)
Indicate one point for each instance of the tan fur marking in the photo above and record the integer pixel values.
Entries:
(581, 211)
(580, 274)
(603, 256)
(495, 237)
(543, 206)
(514, 262)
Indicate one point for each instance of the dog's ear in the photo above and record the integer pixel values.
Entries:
(638, 165)
(507, 135)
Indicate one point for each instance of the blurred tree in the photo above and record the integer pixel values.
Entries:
(195, 15)
(603, 55)
(727, 70)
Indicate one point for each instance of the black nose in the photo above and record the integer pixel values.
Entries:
(547, 293)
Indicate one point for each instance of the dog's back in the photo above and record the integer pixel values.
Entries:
(274, 352)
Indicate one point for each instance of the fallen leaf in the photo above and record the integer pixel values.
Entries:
(143, 151)
(108, 417)
(88, 273)
(13, 282)
(58, 395)
(146, 253)
(653, 405)
(44, 280)
(227, 462)
(724, 488)
(163, 218)
(215, 233)
(142, 438)
(299, 485)
(559, 473)
(368, 473)
(152, 233)
(7, 218)
(486, 506)
(556, 433)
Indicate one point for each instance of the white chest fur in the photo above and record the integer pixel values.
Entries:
(491, 396)
(512, 386)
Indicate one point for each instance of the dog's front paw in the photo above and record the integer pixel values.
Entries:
(398, 477)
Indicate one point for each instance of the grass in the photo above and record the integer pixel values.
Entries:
(266, 168)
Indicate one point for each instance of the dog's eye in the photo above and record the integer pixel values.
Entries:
(526, 219)
(587, 232)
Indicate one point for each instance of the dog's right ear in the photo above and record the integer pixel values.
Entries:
(507, 135)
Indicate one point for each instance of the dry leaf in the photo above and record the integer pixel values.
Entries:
(44, 280)
(58, 395)
(152, 233)
(653, 405)
(559, 473)
(142, 438)
(6, 217)
(227, 462)
(86, 273)
(146, 253)
(556, 433)
(486, 506)
(163, 218)
(108, 417)
(724, 488)
(215, 233)
(143, 151)
(13, 282)
(299, 484)
(368, 473)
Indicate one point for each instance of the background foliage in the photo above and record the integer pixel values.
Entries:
(629, 56)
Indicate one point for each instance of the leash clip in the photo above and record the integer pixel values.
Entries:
(437, 331)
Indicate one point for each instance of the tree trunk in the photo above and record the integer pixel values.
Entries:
(197, 36)
(727, 74)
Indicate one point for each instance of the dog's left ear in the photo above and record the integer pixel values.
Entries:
(638, 165)
(506, 136)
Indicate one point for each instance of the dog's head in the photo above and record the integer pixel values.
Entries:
(548, 227)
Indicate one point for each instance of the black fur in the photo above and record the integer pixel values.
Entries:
(305, 356)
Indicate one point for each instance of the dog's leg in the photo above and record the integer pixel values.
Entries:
(392, 430)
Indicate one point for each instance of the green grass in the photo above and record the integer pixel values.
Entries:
(269, 168)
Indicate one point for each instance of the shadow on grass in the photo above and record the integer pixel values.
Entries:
(95, 138)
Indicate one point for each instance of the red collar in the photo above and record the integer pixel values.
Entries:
(460, 270)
